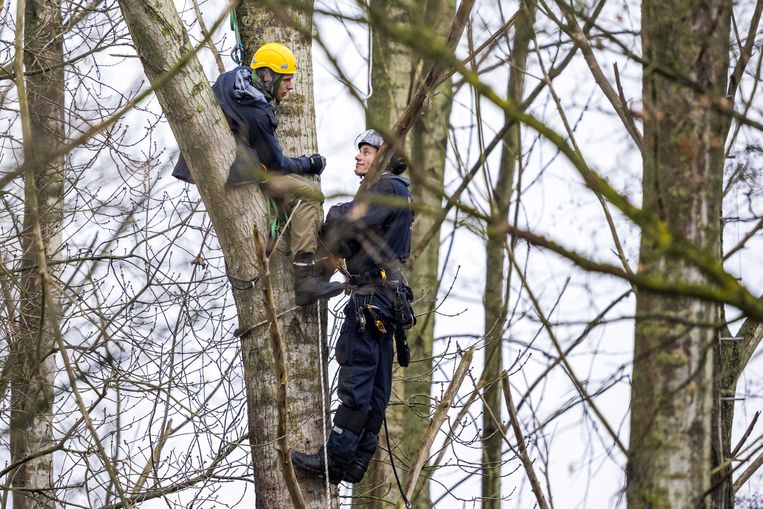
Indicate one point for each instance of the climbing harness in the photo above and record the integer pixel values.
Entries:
(237, 53)
(275, 230)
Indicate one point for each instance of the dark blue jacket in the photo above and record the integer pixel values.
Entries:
(252, 120)
(381, 237)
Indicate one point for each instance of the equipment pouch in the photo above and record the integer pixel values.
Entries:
(360, 302)
(375, 325)
(401, 345)
(403, 306)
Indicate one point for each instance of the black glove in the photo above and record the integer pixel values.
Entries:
(317, 164)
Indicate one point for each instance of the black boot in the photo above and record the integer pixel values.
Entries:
(357, 469)
(314, 464)
(308, 286)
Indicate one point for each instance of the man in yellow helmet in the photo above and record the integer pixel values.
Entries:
(248, 97)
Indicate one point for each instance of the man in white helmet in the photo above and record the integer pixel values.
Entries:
(375, 243)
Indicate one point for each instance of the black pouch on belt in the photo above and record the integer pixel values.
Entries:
(360, 302)
(401, 345)
(403, 306)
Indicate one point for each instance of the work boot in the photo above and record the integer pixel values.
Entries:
(357, 469)
(314, 464)
(362, 458)
(308, 285)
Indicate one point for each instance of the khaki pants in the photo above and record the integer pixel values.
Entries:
(290, 190)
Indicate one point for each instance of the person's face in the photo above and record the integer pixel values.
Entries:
(364, 158)
(286, 86)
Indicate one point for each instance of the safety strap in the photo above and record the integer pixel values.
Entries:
(394, 470)
(239, 283)
(237, 53)
(273, 217)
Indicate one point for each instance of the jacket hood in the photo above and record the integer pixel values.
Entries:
(243, 91)
(403, 180)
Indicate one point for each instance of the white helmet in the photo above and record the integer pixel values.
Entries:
(370, 137)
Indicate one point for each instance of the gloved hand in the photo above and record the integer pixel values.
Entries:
(317, 164)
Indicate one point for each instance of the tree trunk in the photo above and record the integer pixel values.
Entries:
(496, 295)
(206, 142)
(32, 357)
(670, 451)
(394, 72)
(297, 134)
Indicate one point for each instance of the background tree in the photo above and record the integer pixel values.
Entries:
(670, 447)
(497, 289)
(31, 362)
(395, 70)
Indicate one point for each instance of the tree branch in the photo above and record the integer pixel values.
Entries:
(523, 456)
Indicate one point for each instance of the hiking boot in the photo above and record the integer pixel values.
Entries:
(308, 285)
(357, 469)
(314, 464)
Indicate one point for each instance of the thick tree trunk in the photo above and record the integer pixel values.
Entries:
(205, 140)
(670, 450)
(32, 358)
(297, 134)
(496, 295)
(394, 72)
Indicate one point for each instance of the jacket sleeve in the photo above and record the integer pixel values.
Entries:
(262, 137)
(342, 235)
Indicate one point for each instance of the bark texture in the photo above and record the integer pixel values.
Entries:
(496, 285)
(205, 140)
(395, 70)
(685, 45)
(32, 359)
(304, 329)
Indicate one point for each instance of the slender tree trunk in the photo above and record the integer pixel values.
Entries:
(496, 295)
(31, 350)
(395, 70)
(392, 72)
(205, 140)
(672, 400)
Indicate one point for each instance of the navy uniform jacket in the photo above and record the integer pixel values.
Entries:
(252, 120)
(381, 237)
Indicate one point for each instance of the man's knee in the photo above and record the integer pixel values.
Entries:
(293, 188)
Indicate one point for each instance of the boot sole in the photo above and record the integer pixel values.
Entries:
(307, 302)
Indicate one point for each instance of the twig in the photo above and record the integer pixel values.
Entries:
(746, 435)
(523, 456)
(745, 476)
(154, 459)
(208, 37)
(581, 41)
(279, 361)
(563, 357)
(441, 412)
(745, 52)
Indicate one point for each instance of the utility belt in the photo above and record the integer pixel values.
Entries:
(368, 316)
(379, 277)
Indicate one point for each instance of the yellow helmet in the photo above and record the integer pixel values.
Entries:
(275, 56)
